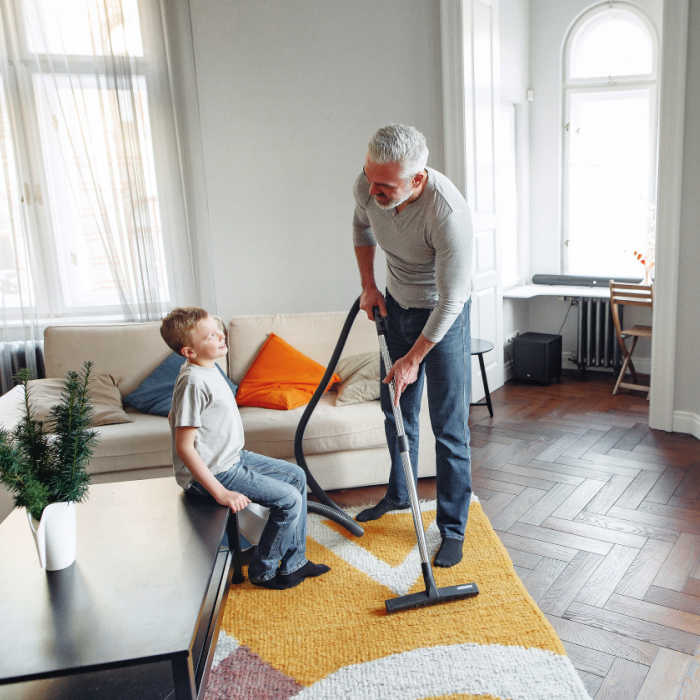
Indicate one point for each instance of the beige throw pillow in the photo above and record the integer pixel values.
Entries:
(106, 400)
(359, 376)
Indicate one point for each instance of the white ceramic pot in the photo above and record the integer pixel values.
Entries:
(55, 535)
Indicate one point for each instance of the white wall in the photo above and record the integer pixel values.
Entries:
(550, 21)
(687, 389)
(289, 94)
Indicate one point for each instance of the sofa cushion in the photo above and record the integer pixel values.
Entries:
(330, 428)
(155, 393)
(359, 378)
(280, 377)
(143, 443)
(103, 394)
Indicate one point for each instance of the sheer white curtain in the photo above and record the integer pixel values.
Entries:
(92, 215)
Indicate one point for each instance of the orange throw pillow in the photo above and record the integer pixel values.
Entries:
(280, 377)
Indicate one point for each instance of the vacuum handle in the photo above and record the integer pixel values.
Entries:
(379, 321)
(404, 453)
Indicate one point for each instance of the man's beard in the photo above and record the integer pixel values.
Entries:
(391, 204)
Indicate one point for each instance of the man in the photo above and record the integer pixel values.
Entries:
(423, 225)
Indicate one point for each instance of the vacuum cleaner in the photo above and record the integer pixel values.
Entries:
(325, 505)
(432, 594)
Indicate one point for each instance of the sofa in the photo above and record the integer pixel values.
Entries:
(344, 445)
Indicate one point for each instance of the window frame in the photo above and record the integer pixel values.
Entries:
(613, 83)
(49, 299)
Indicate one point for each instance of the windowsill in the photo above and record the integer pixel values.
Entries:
(528, 291)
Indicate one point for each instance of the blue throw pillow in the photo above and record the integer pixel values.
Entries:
(155, 393)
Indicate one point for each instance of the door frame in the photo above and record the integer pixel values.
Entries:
(457, 121)
(668, 213)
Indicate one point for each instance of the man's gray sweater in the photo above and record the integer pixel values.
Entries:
(428, 248)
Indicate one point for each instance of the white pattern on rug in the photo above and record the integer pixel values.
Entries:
(503, 671)
(399, 579)
(225, 646)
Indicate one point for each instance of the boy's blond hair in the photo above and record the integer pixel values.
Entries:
(177, 326)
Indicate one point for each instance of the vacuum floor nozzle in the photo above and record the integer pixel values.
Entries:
(419, 600)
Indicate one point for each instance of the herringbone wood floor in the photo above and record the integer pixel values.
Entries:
(601, 516)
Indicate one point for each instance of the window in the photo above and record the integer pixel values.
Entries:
(610, 125)
(83, 103)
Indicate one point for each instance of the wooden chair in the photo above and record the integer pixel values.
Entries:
(635, 295)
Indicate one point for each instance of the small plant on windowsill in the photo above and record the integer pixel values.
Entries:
(647, 262)
(44, 466)
(646, 258)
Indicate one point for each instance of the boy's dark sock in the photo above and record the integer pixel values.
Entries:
(450, 552)
(279, 582)
(377, 511)
(309, 570)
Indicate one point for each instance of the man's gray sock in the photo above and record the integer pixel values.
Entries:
(450, 552)
(376, 512)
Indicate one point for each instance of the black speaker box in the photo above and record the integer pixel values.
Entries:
(537, 357)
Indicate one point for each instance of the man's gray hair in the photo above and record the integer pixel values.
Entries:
(397, 143)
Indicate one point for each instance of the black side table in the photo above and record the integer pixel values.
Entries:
(479, 347)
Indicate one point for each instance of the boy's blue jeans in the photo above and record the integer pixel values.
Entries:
(281, 487)
(448, 370)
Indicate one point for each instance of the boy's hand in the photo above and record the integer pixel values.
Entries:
(234, 500)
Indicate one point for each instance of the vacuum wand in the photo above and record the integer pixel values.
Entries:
(432, 593)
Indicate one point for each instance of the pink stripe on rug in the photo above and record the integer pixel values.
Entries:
(244, 674)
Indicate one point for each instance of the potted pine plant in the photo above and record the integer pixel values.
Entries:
(44, 466)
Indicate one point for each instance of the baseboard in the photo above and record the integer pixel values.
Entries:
(641, 364)
(686, 422)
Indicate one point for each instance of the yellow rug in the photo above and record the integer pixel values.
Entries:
(332, 638)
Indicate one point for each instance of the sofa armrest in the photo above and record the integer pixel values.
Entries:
(11, 404)
(11, 407)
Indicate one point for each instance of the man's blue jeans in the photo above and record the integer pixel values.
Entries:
(281, 487)
(447, 368)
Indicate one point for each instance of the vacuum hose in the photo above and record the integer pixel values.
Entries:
(327, 507)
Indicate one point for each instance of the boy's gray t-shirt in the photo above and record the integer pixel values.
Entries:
(202, 399)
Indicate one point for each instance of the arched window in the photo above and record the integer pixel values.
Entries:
(609, 148)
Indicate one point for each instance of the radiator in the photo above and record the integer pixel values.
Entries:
(17, 355)
(596, 344)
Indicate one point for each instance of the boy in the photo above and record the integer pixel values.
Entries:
(209, 459)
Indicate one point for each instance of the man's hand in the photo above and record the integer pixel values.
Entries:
(370, 298)
(404, 372)
(234, 500)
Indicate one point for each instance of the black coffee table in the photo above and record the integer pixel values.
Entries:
(137, 614)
